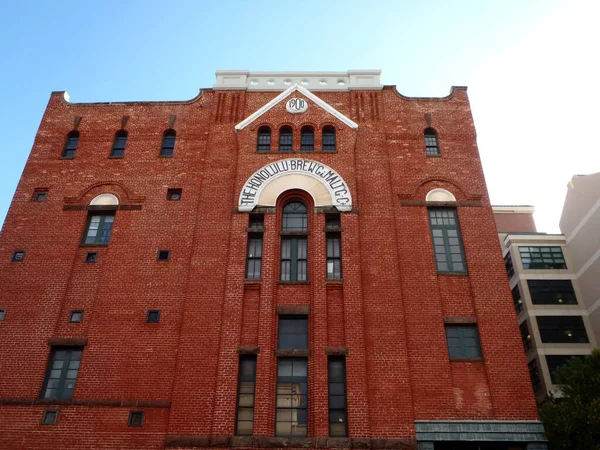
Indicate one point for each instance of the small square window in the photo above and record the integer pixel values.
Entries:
(76, 317)
(50, 416)
(40, 196)
(163, 255)
(332, 220)
(18, 256)
(136, 418)
(256, 221)
(153, 316)
(174, 195)
(91, 257)
(2, 314)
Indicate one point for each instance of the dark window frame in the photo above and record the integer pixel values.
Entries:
(2, 314)
(286, 139)
(91, 257)
(329, 139)
(294, 267)
(301, 397)
(119, 144)
(72, 354)
(163, 255)
(136, 419)
(333, 394)
(71, 144)
(254, 254)
(167, 148)
(508, 263)
(50, 417)
(552, 292)
(444, 233)
(542, 257)
(16, 258)
(104, 232)
(307, 139)
(246, 382)
(334, 255)
(554, 362)
(40, 196)
(517, 299)
(73, 315)
(432, 147)
(558, 330)
(263, 139)
(292, 328)
(174, 194)
(153, 316)
(526, 338)
(463, 348)
(534, 374)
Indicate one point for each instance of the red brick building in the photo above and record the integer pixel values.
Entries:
(287, 260)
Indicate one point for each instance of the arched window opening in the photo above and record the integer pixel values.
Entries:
(295, 216)
(168, 143)
(294, 242)
(118, 149)
(71, 145)
(307, 143)
(263, 143)
(286, 139)
(431, 143)
(329, 144)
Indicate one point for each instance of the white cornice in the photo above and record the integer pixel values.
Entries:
(516, 209)
(316, 100)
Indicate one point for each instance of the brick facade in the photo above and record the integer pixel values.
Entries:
(387, 315)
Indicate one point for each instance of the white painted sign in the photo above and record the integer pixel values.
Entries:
(329, 178)
(296, 105)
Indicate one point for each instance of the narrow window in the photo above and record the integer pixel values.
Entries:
(71, 145)
(534, 374)
(263, 143)
(518, 302)
(338, 416)
(562, 329)
(334, 256)
(153, 316)
(2, 314)
(99, 228)
(63, 367)
(463, 341)
(332, 221)
(136, 418)
(542, 258)
(552, 292)
(254, 258)
(286, 139)
(431, 143)
(168, 143)
(294, 248)
(256, 222)
(291, 417)
(510, 268)
(50, 417)
(307, 139)
(245, 400)
(76, 316)
(447, 241)
(118, 149)
(329, 144)
(525, 336)
(293, 333)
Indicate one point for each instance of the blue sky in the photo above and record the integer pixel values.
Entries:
(531, 67)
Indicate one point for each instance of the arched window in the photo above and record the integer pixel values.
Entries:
(294, 242)
(263, 143)
(431, 143)
(168, 143)
(329, 144)
(307, 135)
(100, 220)
(118, 149)
(286, 139)
(71, 145)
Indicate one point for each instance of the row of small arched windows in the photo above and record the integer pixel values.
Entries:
(118, 149)
(286, 139)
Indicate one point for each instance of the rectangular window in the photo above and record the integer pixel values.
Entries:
(334, 256)
(447, 241)
(534, 374)
(516, 295)
(510, 269)
(552, 292)
(463, 341)
(525, 336)
(542, 258)
(293, 332)
(63, 367)
(99, 228)
(556, 361)
(294, 258)
(332, 221)
(562, 329)
(338, 416)
(245, 399)
(256, 221)
(291, 417)
(254, 258)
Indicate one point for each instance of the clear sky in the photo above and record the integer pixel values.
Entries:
(532, 68)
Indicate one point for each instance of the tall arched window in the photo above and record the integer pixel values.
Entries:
(168, 143)
(71, 145)
(294, 241)
(263, 142)
(329, 144)
(431, 143)
(286, 139)
(307, 141)
(118, 149)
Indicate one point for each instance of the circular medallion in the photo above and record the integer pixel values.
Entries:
(296, 105)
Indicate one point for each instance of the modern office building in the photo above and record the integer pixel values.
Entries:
(287, 260)
(555, 325)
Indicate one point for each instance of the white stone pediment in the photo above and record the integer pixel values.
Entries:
(285, 94)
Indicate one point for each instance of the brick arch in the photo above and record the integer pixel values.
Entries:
(122, 192)
(421, 190)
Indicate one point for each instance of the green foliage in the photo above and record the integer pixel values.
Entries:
(572, 421)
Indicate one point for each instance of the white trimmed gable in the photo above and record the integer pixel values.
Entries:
(285, 94)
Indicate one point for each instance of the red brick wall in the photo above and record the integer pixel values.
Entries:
(389, 311)
(515, 222)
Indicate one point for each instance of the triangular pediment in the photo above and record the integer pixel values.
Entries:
(285, 94)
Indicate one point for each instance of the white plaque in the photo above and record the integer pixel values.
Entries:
(296, 105)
